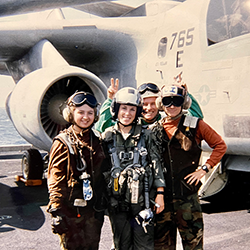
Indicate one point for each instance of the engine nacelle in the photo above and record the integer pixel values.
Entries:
(36, 103)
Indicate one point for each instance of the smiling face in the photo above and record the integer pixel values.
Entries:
(126, 114)
(84, 116)
(172, 111)
(149, 108)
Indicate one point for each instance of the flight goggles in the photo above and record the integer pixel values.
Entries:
(168, 101)
(80, 98)
(148, 86)
(172, 95)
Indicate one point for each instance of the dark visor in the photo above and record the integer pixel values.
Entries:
(177, 101)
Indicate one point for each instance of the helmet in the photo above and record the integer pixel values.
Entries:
(78, 99)
(128, 96)
(173, 95)
(149, 90)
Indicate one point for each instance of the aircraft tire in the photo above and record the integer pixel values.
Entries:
(32, 165)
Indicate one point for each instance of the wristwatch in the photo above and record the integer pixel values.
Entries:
(205, 168)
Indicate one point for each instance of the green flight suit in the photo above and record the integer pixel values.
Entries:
(127, 232)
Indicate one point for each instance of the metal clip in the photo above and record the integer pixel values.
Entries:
(143, 151)
(83, 176)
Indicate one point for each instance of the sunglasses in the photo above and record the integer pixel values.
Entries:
(148, 86)
(81, 97)
(177, 101)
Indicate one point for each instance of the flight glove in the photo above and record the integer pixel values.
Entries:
(58, 221)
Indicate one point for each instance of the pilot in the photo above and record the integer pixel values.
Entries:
(179, 138)
(74, 176)
(135, 181)
(149, 92)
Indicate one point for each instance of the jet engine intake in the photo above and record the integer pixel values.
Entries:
(36, 103)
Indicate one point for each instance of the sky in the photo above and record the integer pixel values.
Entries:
(6, 82)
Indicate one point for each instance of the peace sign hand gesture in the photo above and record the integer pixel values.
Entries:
(113, 88)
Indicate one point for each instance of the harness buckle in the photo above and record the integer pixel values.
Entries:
(126, 155)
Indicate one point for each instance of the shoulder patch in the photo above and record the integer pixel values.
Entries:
(190, 121)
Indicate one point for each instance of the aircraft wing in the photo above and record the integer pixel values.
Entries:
(13, 7)
(105, 9)
(111, 9)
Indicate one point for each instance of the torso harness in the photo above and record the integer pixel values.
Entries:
(81, 165)
(133, 179)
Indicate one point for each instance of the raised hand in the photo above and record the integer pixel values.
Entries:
(113, 88)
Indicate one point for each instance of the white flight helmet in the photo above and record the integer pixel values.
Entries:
(128, 96)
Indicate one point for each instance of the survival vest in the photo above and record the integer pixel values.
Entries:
(80, 181)
(131, 176)
(181, 155)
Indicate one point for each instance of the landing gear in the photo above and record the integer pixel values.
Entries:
(32, 168)
(32, 164)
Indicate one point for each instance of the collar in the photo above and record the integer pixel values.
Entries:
(168, 118)
(82, 132)
(135, 131)
(157, 118)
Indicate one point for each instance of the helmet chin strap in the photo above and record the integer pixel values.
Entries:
(124, 124)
